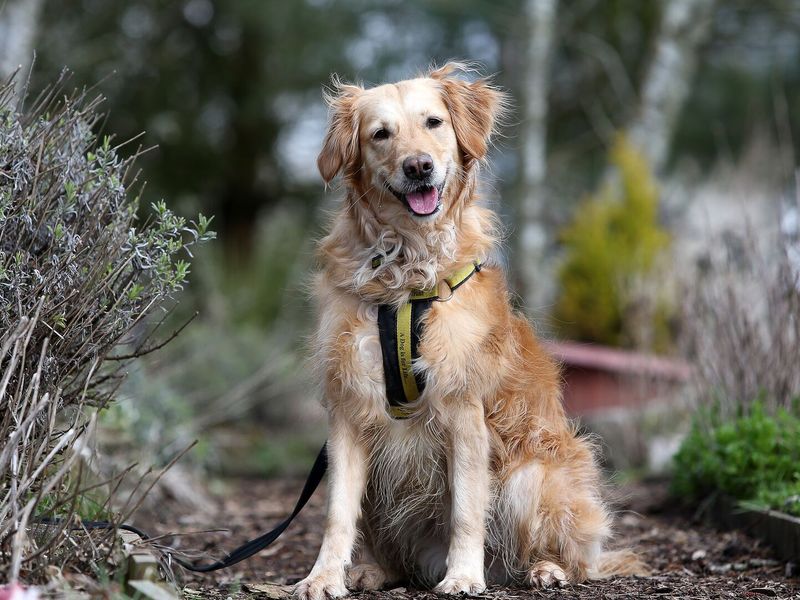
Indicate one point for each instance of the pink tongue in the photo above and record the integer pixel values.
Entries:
(425, 202)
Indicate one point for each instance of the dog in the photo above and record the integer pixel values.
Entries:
(485, 478)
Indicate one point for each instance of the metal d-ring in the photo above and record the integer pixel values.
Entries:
(440, 298)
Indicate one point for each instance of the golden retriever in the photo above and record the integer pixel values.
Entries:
(487, 478)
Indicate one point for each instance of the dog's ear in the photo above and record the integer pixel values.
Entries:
(340, 150)
(475, 108)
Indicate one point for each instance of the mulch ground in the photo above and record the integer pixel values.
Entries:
(688, 559)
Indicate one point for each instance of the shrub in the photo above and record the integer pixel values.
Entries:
(741, 319)
(754, 458)
(740, 328)
(78, 276)
(612, 245)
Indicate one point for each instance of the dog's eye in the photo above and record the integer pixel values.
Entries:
(381, 134)
(433, 122)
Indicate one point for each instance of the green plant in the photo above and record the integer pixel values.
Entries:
(89, 505)
(612, 245)
(754, 457)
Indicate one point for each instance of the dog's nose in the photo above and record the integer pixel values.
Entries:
(418, 166)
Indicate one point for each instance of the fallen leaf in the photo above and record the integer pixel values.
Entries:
(273, 591)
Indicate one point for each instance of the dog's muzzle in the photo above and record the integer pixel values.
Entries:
(423, 201)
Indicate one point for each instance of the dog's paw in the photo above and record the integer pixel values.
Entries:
(366, 577)
(545, 574)
(471, 586)
(324, 585)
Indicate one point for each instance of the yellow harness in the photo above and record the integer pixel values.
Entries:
(400, 330)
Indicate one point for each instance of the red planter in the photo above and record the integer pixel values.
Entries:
(599, 378)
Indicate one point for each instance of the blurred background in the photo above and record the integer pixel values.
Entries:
(646, 173)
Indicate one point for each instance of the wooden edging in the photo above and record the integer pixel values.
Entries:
(779, 530)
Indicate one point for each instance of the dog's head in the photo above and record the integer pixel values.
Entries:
(408, 148)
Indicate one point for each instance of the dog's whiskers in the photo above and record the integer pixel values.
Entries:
(358, 198)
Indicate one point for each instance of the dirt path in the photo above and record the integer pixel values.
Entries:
(689, 561)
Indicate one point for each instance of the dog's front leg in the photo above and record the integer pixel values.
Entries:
(347, 474)
(468, 465)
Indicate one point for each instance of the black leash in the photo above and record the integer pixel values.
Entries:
(245, 550)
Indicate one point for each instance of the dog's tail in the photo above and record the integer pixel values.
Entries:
(618, 563)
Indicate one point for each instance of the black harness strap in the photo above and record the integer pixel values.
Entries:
(418, 310)
(387, 333)
(245, 550)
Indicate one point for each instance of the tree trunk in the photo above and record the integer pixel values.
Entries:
(685, 24)
(18, 25)
(533, 265)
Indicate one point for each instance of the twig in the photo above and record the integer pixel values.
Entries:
(139, 353)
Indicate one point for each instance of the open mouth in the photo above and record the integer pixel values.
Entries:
(424, 201)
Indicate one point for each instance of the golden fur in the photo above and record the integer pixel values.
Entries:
(488, 478)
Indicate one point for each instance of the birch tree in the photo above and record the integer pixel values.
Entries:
(685, 24)
(534, 268)
(18, 26)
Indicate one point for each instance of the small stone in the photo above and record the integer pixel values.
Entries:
(739, 566)
(790, 569)
(763, 562)
(699, 554)
(720, 568)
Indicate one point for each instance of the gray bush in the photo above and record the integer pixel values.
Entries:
(79, 274)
